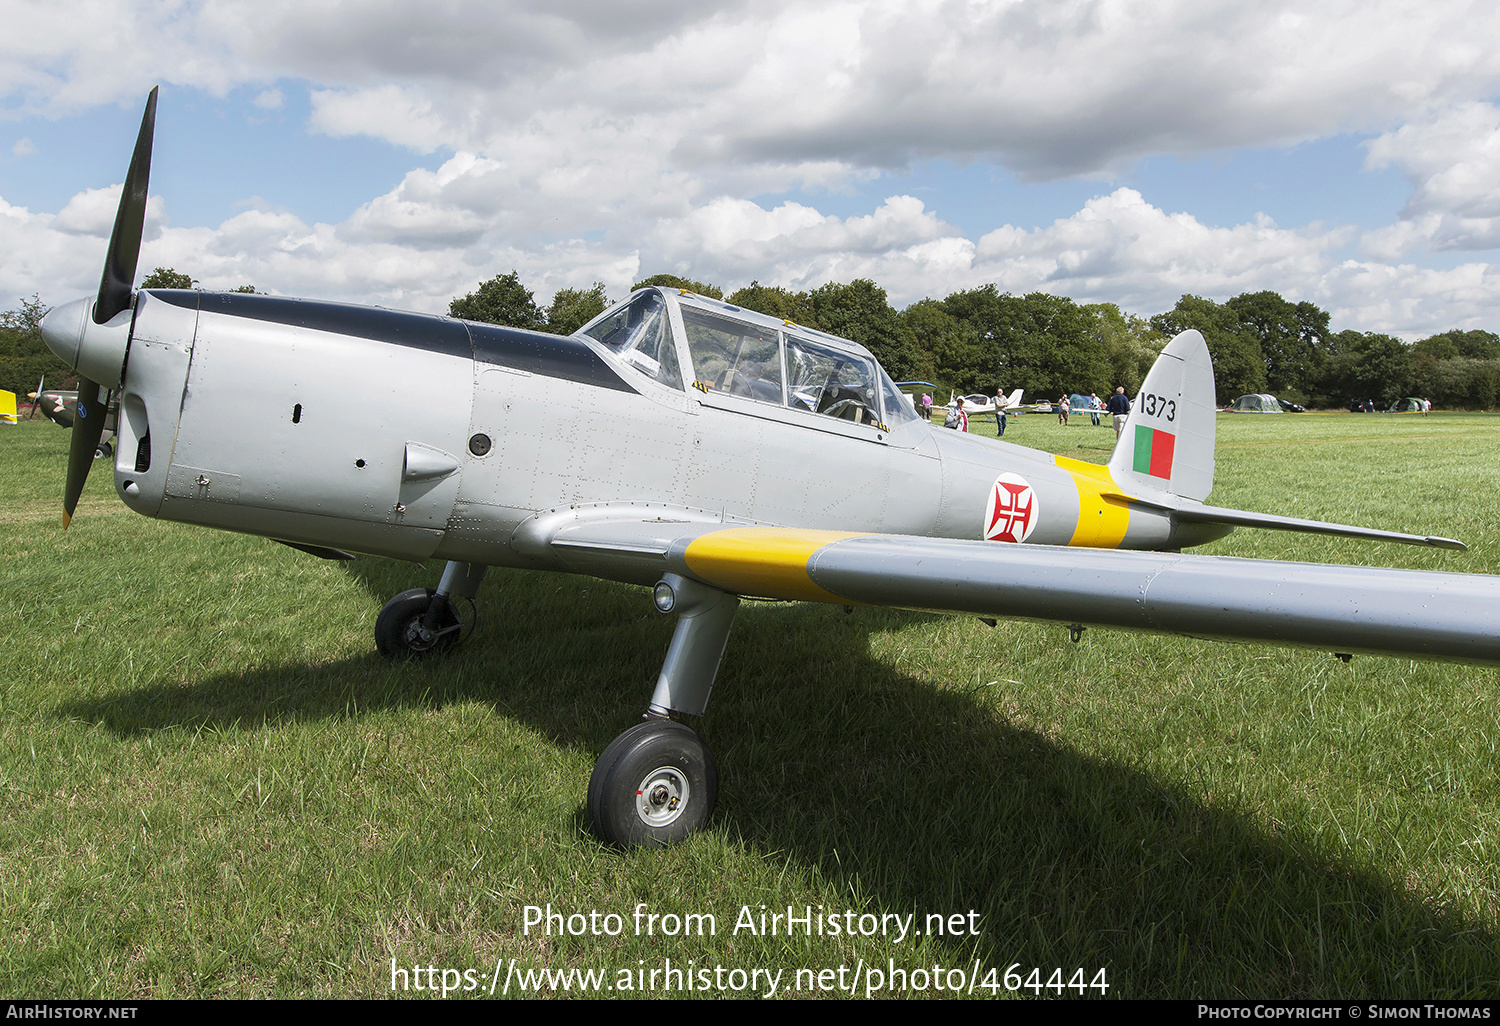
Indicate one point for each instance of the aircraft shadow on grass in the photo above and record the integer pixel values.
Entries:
(914, 798)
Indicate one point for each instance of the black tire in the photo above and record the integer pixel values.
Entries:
(398, 629)
(103, 451)
(655, 784)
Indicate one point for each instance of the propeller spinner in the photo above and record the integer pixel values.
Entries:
(91, 336)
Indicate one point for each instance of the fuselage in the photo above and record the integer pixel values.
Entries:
(423, 436)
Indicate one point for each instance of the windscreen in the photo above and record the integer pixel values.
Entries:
(640, 334)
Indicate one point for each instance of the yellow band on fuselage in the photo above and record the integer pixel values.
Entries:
(767, 561)
(1101, 521)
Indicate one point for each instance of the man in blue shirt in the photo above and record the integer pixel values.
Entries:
(1119, 408)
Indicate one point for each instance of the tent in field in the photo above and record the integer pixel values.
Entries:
(1259, 403)
(1407, 405)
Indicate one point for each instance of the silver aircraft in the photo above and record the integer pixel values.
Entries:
(742, 456)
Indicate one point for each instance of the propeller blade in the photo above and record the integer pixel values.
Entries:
(114, 296)
(130, 224)
(88, 428)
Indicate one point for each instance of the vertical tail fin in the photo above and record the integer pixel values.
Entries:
(1168, 442)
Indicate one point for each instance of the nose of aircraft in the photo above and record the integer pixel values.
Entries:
(97, 351)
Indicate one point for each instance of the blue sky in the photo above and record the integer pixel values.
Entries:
(248, 150)
(1108, 150)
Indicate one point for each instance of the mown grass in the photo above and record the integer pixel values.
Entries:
(211, 786)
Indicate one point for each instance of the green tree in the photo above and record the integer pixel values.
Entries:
(1366, 365)
(248, 290)
(948, 350)
(1043, 343)
(1476, 345)
(166, 278)
(1000, 350)
(775, 301)
(1457, 382)
(672, 281)
(501, 300)
(1457, 368)
(1239, 364)
(1130, 344)
(1292, 340)
(24, 357)
(860, 312)
(571, 309)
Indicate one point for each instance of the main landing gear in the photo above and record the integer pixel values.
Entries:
(656, 783)
(421, 622)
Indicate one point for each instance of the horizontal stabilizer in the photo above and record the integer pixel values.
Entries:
(1197, 514)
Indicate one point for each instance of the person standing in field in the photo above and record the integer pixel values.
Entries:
(958, 417)
(1062, 411)
(1119, 408)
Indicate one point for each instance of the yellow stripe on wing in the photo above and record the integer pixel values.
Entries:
(768, 561)
(1101, 520)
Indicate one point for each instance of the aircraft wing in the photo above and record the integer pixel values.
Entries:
(1421, 614)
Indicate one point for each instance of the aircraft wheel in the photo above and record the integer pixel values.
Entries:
(654, 785)
(103, 451)
(399, 631)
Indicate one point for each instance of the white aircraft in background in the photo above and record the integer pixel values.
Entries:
(977, 404)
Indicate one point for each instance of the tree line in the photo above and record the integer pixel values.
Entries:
(984, 340)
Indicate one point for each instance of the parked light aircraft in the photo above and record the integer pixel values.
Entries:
(55, 406)
(977, 404)
(59, 408)
(741, 456)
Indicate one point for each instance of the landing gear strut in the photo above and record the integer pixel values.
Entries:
(656, 783)
(421, 622)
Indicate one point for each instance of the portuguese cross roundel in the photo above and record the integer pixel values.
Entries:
(1012, 513)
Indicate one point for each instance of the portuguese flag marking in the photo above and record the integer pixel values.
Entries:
(1153, 451)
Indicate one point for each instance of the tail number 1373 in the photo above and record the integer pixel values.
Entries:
(1158, 406)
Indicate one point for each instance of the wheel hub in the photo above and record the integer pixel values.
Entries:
(662, 796)
(418, 637)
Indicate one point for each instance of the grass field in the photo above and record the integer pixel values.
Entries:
(211, 786)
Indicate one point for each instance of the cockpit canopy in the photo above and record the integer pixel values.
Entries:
(738, 352)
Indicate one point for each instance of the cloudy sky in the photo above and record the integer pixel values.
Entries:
(397, 152)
